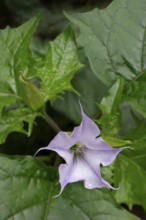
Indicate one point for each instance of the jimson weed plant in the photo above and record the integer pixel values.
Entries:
(103, 158)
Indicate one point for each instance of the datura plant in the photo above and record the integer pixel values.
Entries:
(93, 73)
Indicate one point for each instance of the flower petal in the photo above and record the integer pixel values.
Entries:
(100, 153)
(79, 170)
(86, 131)
(61, 144)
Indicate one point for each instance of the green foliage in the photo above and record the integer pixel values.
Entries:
(131, 179)
(129, 168)
(114, 40)
(58, 67)
(119, 35)
(135, 95)
(110, 120)
(14, 59)
(120, 39)
(20, 90)
(32, 186)
(109, 105)
(138, 138)
(14, 121)
(90, 91)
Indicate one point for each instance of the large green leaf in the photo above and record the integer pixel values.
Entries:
(27, 188)
(59, 65)
(114, 39)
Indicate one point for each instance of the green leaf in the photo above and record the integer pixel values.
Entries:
(110, 107)
(18, 70)
(116, 142)
(27, 188)
(114, 39)
(136, 96)
(138, 138)
(110, 103)
(59, 66)
(14, 59)
(16, 55)
(131, 179)
(110, 120)
(6, 99)
(83, 82)
(128, 170)
(14, 121)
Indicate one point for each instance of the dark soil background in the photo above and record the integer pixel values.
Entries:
(14, 13)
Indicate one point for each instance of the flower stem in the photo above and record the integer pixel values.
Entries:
(57, 129)
(51, 122)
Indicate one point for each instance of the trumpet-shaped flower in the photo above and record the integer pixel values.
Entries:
(83, 151)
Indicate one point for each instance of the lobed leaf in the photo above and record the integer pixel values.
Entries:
(57, 69)
(15, 57)
(117, 39)
(14, 121)
(18, 72)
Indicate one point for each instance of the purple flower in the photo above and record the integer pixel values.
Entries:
(83, 151)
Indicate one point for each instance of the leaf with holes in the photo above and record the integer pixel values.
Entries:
(27, 188)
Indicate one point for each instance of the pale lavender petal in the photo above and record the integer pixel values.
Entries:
(86, 131)
(98, 144)
(64, 174)
(104, 154)
(61, 144)
(79, 170)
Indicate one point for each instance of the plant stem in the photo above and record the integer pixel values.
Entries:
(57, 129)
(51, 122)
